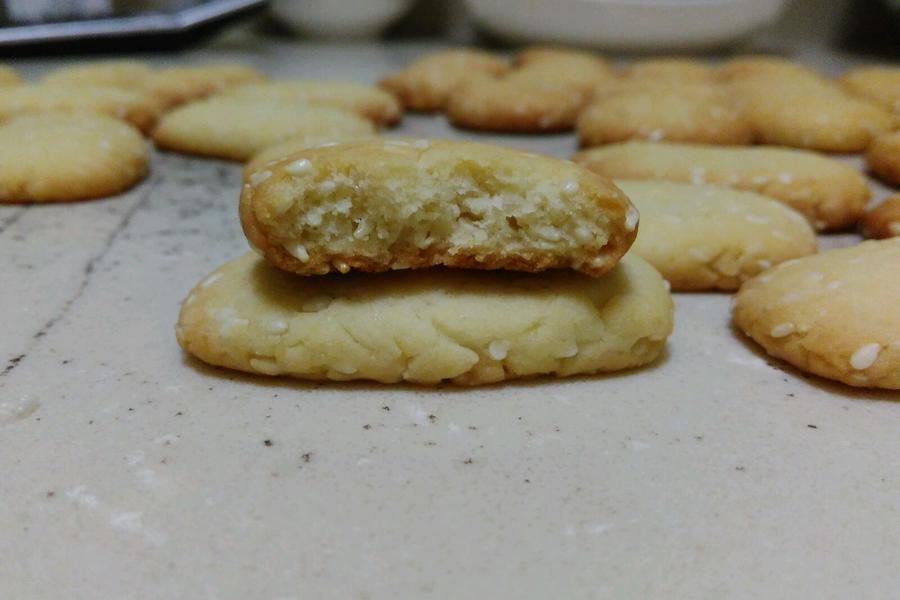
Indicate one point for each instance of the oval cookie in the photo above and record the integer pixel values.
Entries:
(428, 326)
(834, 314)
(237, 128)
(396, 204)
(56, 157)
(706, 237)
(831, 194)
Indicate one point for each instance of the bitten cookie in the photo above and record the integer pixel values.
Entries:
(834, 314)
(883, 221)
(831, 194)
(425, 85)
(883, 157)
(176, 85)
(880, 85)
(706, 237)
(236, 128)
(127, 74)
(132, 107)
(58, 157)
(9, 76)
(427, 326)
(370, 102)
(679, 113)
(295, 144)
(396, 204)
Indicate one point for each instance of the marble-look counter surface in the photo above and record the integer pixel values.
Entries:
(128, 470)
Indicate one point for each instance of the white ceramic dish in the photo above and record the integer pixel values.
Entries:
(339, 18)
(635, 25)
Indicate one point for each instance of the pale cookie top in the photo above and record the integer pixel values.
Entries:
(470, 327)
(829, 193)
(238, 127)
(128, 74)
(706, 237)
(398, 204)
(68, 156)
(835, 313)
(371, 102)
(134, 107)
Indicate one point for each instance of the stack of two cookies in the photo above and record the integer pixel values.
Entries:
(426, 261)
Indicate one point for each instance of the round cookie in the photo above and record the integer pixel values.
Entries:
(375, 104)
(57, 157)
(426, 326)
(127, 74)
(135, 108)
(883, 221)
(295, 144)
(883, 157)
(425, 85)
(398, 204)
(678, 113)
(9, 76)
(834, 314)
(176, 85)
(706, 237)
(236, 128)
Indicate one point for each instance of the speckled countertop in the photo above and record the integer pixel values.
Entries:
(128, 470)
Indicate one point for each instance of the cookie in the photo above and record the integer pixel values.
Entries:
(9, 76)
(133, 107)
(679, 70)
(127, 74)
(703, 237)
(883, 221)
(822, 118)
(236, 128)
(295, 144)
(829, 193)
(370, 102)
(427, 326)
(742, 67)
(176, 85)
(834, 314)
(880, 85)
(60, 157)
(883, 157)
(680, 113)
(425, 85)
(397, 204)
(545, 93)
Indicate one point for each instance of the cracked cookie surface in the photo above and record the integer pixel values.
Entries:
(468, 327)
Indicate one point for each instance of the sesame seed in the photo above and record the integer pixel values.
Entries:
(298, 167)
(865, 356)
(781, 330)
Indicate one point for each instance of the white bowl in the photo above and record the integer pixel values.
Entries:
(339, 18)
(626, 24)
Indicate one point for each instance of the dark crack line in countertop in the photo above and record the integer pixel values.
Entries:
(7, 222)
(86, 278)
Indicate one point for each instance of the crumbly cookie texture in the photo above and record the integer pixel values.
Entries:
(427, 326)
(373, 103)
(425, 85)
(706, 237)
(176, 85)
(236, 128)
(127, 74)
(674, 69)
(397, 204)
(133, 107)
(883, 221)
(883, 157)
(834, 314)
(545, 92)
(829, 193)
(9, 76)
(58, 157)
(292, 145)
(699, 113)
(880, 85)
